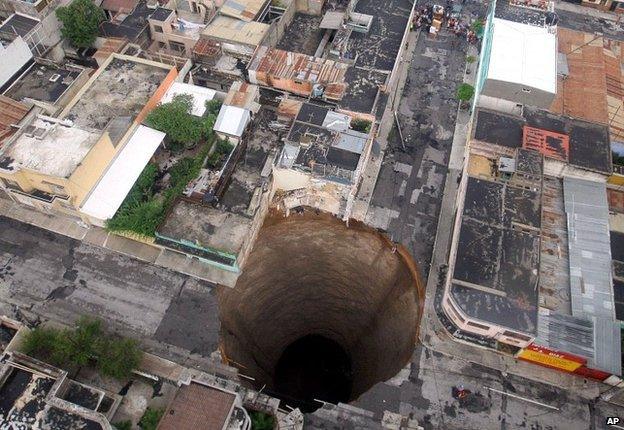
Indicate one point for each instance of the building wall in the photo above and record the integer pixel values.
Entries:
(517, 93)
(12, 58)
(169, 35)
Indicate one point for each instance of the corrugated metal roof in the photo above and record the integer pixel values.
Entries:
(595, 339)
(246, 10)
(234, 30)
(587, 214)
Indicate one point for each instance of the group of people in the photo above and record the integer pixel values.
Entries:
(424, 19)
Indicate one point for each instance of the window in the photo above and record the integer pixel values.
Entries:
(59, 190)
(477, 325)
(516, 335)
(158, 28)
(175, 46)
(526, 90)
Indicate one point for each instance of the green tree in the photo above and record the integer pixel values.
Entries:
(175, 119)
(80, 22)
(261, 421)
(119, 357)
(213, 107)
(40, 342)
(465, 92)
(123, 425)
(150, 419)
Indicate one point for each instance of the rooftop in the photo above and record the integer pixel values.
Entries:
(206, 227)
(229, 29)
(321, 142)
(270, 65)
(589, 248)
(109, 193)
(245, 10)
(161, 14)
(44, 82)
(129, 26)
(589, 143)
(232, 120)
(25, 392)
(11, 113)
(592, 88)
(523, 54)
(197, 406)
(200, 95)
(495, 277)
(120, 88)
(243, 95)
(48, 146)
(17, 25)
(119, 5)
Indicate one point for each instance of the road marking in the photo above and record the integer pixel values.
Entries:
(522, 398)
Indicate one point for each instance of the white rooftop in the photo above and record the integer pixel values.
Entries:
(113, 187)
(200, 95)
(48, 146)
(524, 54)
(232, 120)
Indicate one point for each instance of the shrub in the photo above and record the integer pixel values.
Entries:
(471, 59)
(465, 92)
(361, 125)
(150, 419)
(261, 421)
(123, 425)
(80, 20)
(85, 344)
(222, 150)
(213, 107)
(175, 119)
(119, 357)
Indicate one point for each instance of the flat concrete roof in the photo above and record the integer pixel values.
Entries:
(44, 82)
(589, 143)
(495, 277)
(120, 88)
(17, 25)
(206, 227)
(58, 152)
(229, 29)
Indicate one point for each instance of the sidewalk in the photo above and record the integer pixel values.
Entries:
(373, 167)
(432, 333)
(99, 237)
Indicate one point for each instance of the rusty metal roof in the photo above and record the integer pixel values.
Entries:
(11, 112)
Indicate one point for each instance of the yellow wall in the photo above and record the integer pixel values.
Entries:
(90, 170)
(616, 179)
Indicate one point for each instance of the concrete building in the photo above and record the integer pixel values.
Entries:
(37, 395)
(173, 34)
(237, 111)
(518, 65)
(85, 161)
(530, 254)
(322, 159)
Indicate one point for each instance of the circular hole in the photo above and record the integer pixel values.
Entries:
(321, 310)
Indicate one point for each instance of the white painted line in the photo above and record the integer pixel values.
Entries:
(522, 398)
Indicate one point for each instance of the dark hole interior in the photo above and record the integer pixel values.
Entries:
(314, 368)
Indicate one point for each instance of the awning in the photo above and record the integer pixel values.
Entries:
(109, 193)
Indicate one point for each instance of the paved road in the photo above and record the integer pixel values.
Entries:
(46, 274)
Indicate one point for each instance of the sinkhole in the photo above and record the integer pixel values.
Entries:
(321, 311)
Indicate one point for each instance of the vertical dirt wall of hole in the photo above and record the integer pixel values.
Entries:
(311, 274)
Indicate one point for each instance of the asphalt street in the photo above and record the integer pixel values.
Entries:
(43, 274)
